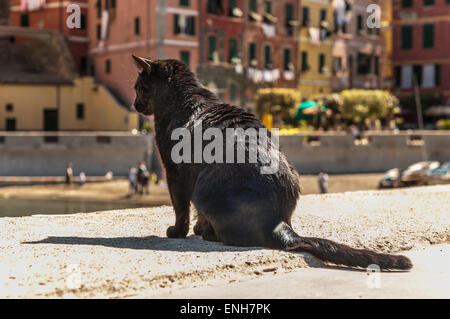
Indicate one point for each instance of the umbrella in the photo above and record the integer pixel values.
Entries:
(307, 110)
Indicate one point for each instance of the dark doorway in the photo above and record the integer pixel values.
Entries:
(10, 124)
(50, 120)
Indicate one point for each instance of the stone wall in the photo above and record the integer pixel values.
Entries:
(338, 154)
(41, 154)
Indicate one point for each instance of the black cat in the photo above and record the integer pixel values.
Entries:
(236, 204)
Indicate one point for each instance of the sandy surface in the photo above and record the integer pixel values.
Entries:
(117, 190)
(125, 253)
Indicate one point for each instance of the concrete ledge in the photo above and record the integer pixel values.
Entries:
(125, 253)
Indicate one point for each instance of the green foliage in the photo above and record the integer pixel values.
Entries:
(147, 127)
(358, 105)
(443, 124)
(277, 101)
(331, 101)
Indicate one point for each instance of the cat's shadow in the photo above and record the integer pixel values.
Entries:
(190, 244)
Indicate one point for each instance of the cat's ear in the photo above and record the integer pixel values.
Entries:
(143, 63)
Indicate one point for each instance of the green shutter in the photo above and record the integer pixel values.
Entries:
(232, 49)
(185, 56)
(304, 61)
(212, 47)
(184, 3)
(286, 59)
(407, 37)
(428, 36)
(267, 56)
(305, 16)
(428, 2)
(321, 62)
(24, 20)
(251, 52)
(323, 15)
(231, 5)
(407, 3)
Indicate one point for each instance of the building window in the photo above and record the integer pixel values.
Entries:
(321, 63)
(232, 50)
(289, 17)
(428, 2)
(83, 22)
(337, 64)
(108, 66)
(428, 36)
(305, 66)
(268, 56)
(184, 3)
(407, 3)
(377, 65)
(323, 15)
(253, 8)
(363, 61)
(212, 54)
(267, 12)
(231, 7)
(80, 111)
(305, 16)
(215, 7)
(83, 65)
(407, 37)
(10, 124)
(99, 31)
(287, 59)
(24, 20)
(9, 107)
(137, 26)
(99, 9)
(398, 76)
(252, 58)
(183, 25)
(359, 24)
(185, 56)
(417, 74)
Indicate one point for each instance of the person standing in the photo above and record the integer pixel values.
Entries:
(132, 179)
(69, 174)
(143, 177)
(82, 179)
(323, 182)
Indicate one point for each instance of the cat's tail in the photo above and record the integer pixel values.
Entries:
(329, 251)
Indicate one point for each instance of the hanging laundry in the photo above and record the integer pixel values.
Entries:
(314, 35)
(32, 5)
(105, 24)
(275, 74)
(340, 11)
(288, 75)
(269, 30)
(407, 72)
(429, 72)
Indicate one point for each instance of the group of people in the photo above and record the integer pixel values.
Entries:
(139, 179)
(69, 176)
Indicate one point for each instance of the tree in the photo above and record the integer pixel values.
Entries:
(277, 102)
(358, 105)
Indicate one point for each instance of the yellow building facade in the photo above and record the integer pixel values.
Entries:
(315, 52)
(81, 106)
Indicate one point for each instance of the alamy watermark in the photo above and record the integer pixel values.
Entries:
(239, 146)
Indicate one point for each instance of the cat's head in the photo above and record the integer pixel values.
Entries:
(159, 82)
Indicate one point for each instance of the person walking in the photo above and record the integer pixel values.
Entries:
(323, 182)
(132, 179)
(143, 177)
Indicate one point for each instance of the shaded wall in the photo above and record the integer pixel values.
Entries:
(29, 154)
(338, 154)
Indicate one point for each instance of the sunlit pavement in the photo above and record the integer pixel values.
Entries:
(430, 278)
